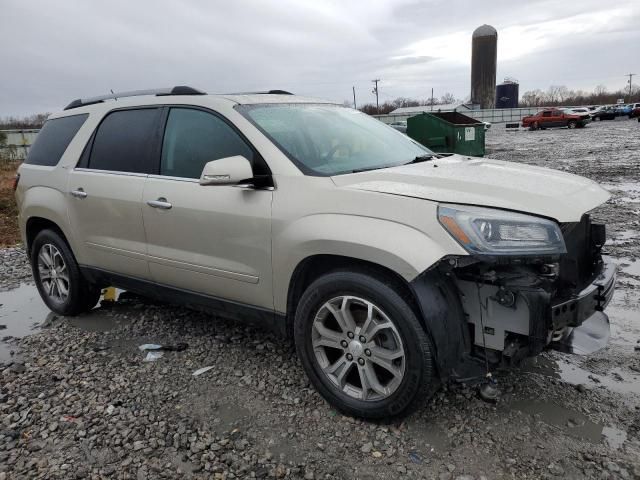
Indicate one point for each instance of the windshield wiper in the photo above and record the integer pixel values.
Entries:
(422, 158)
(367, 169)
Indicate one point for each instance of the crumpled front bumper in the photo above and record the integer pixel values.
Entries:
(588, 325)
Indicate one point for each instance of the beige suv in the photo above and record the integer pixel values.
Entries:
(392, 268)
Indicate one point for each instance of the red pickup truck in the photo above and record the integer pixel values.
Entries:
(555, 117)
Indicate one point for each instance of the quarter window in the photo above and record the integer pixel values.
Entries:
(124, 141)
(53, 140)
(194, 137)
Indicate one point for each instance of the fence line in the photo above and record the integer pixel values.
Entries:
(17, 143)
(496, 115)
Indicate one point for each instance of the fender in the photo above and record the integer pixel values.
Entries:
(398, 247)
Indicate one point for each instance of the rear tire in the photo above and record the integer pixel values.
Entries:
(572, 124)
(60, 283)
(384, 371)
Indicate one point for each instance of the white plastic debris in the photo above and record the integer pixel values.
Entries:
(153, 356)
(202, 370)
(150, 346)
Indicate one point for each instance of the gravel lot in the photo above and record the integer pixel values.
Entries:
(78, 401)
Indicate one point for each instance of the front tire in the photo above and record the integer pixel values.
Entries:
(572, 124)
(58, 278)
(363, 347)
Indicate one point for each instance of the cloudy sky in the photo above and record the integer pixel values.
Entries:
(54, 51)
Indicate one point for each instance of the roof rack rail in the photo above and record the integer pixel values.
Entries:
(268, 92)
(178, 90)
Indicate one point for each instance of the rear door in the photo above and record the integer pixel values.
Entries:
(105, 188)
(215, 239)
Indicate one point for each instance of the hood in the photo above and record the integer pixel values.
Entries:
(485, 182)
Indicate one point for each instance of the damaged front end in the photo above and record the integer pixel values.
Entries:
(515, 305)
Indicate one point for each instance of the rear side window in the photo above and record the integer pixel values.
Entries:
(192, 138)
(125, 141)
(53, 140)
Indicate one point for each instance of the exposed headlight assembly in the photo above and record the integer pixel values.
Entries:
(489, 231)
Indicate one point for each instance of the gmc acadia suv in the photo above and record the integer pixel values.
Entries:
(392, 268)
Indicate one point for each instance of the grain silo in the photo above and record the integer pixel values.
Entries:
(507, 94)
(484, 56)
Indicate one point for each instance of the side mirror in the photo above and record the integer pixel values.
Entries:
(226, 171)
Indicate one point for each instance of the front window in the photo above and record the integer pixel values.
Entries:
(330, 140)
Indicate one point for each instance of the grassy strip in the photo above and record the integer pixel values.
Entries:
(9, 234)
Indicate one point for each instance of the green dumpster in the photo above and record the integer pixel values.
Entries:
(448, 132)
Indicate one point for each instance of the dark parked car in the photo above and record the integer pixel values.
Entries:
(555, 117)
(400, 126)
(623, 110)
(605, 113)
(635, 111)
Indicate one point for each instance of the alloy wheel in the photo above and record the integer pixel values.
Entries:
(53, 273)
(358, 348)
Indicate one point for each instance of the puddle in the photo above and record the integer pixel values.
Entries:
(560, 367)
(94, 321)
(23, 312)
(573, 423)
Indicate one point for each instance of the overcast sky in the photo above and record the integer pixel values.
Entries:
(52, 51)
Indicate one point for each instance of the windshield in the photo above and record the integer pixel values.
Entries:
(330, 140)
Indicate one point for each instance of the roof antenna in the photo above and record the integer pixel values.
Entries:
(115, 98)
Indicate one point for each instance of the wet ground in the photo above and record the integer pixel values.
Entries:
(78, 399)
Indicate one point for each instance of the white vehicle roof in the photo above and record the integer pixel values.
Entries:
(182, 96)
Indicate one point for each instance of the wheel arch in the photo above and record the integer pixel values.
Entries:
(431, 295)
(314, 266)
(35, 225)
(44, 207)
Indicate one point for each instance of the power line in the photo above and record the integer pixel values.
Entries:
(630, 75)
(375, 90)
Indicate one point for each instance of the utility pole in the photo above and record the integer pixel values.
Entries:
(432, 99)
(375, 90)
(630, 75)
(354, 98)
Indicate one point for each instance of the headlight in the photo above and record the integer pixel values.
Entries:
(488, 231)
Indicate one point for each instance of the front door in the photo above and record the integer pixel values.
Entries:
(214, 239)
(105, 188)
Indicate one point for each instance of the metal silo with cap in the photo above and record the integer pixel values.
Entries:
(484, 57)
(507, 94)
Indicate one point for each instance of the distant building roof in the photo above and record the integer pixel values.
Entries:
(427, 108)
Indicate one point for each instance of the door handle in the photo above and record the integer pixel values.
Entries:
(79, 193)
(160, 203)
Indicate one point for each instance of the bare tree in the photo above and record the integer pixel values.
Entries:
(447, 98)
(32, 121)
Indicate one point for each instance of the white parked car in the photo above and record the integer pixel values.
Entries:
(391, 268)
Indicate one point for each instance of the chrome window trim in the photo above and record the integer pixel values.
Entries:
(177, 179)
(111, 172)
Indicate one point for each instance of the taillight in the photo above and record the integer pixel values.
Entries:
(16, 179)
